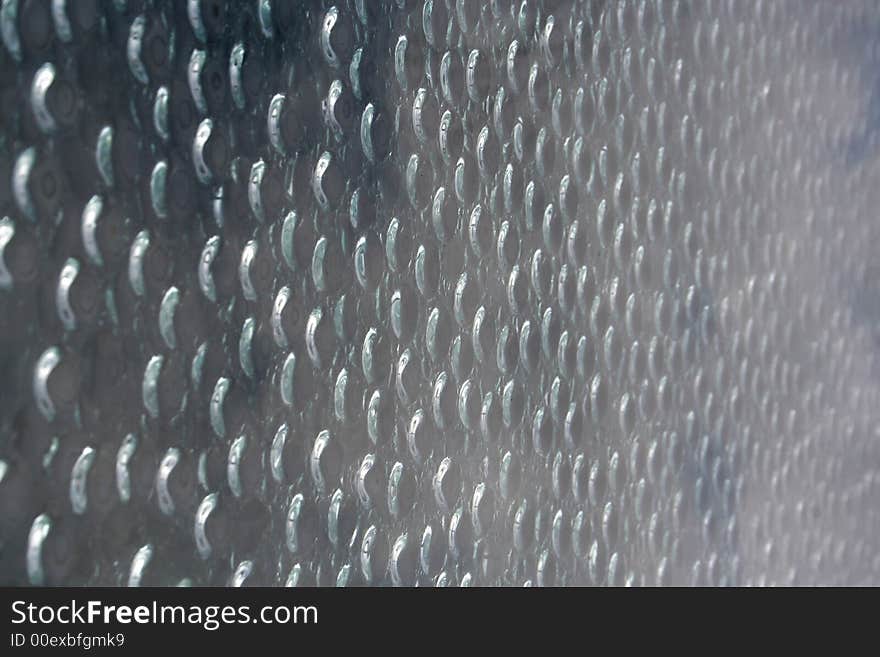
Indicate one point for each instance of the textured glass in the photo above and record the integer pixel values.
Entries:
(439, 292)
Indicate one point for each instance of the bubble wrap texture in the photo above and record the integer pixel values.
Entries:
(439, 292)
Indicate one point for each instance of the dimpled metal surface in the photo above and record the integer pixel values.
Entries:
(439, 292)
